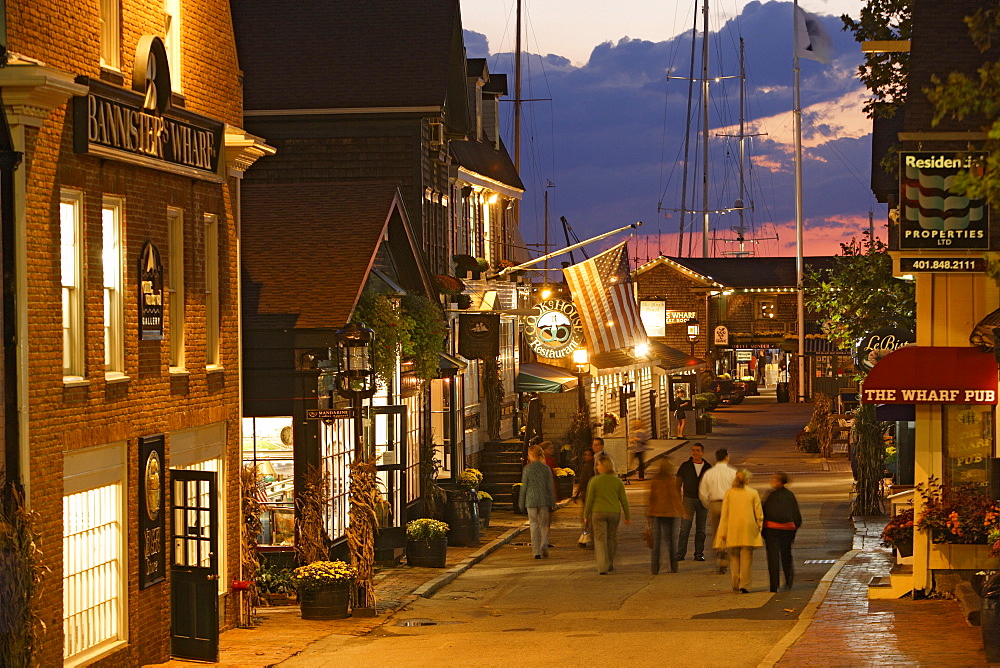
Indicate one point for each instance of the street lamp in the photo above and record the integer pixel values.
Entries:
(355, 376)
(582, 361)
(692, 332)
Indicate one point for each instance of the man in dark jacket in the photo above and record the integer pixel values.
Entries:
(781, 520)
(688, 478)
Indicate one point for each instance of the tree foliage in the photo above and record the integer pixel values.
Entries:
(884, 74)
(859, 294)
(961, 96)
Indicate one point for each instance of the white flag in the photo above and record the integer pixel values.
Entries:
(811, 38)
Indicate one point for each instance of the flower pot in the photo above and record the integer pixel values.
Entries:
(905, 548)
(485, 510)
(699, 427)
(565, 486)
(327, 602)
(708, 426)
(461, 512)
(429, 553)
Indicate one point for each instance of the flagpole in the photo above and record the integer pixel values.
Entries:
(507, 270)
(797, 125)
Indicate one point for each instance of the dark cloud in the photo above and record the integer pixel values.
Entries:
(614, 124)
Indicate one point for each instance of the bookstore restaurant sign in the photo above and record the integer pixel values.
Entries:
(932, 375)
(140, 127)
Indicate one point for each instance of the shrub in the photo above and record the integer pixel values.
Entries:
(962, 513)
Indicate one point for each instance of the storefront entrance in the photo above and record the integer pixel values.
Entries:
(194, 571)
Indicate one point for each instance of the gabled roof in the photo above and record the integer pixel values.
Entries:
(335, 54)
(745, 272)
(483, 159)
(308, 249)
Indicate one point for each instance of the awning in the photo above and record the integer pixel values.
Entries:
(672, 360)
(932, 375)
(450, 364)
(538, 377)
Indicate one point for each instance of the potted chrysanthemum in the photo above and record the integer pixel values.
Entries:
(564, 482)
(485, 507)
(426, 543)
(898, 533)
(324, 589)
(462, 509)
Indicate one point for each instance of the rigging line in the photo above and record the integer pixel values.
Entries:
(687, 138)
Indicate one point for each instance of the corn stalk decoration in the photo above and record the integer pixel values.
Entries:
(23, 572)
(250, 529)
(869, 449)
(493, 396)
(364, 498)
(821, 422)
(312, 542)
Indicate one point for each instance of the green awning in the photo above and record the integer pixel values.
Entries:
(538, 377)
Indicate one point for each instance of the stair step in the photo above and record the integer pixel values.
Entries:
(880, 581)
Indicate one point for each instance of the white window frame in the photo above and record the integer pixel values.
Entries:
(99, 475)
(176, 325)
(71, 279)
(113, 281)
(172, 41)
(213, 323)
(111, 34)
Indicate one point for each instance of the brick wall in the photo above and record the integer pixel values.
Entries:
(64, 419)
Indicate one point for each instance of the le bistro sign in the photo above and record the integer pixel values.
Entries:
(139, 126)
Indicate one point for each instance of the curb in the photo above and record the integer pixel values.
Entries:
(809, 612)
(428, 589)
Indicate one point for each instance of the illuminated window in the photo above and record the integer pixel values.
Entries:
(268, 446)
(212, 323)
(968, 443)
(766, 309)
(94, 556)
(175, 287)
(111, 38)
(114, 306)
(71, 256)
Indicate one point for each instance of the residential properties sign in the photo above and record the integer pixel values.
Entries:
(931, 214)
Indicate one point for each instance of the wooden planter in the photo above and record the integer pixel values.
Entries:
(461, 512)
(430, 553)
(565, 486)
(485, 510)
(327, 602)
(947, 556)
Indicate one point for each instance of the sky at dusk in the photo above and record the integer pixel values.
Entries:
(609, 130)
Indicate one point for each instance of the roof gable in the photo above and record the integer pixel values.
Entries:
(746, 272)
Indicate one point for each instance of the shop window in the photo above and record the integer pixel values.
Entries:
(172, 41)
(114, 306)
(336, 450)
(175, 287)
(268, 446)
(71, 256)
(212, 323)
(967, 443)
(111, 34)
(94, 556)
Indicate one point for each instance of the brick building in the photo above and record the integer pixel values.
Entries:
(127, 294)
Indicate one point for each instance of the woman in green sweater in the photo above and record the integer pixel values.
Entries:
(605, 503)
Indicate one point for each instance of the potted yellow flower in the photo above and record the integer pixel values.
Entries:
(426, 543)
(485, 508)
(324, 589)
(564, 482)
(462, 509)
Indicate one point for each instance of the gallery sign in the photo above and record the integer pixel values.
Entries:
(152, 553)
(554, 330)
(138, 125)
(931, 215)
(479, 335)
(150, 293)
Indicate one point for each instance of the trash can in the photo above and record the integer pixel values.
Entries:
(782, 393)
(990, 617)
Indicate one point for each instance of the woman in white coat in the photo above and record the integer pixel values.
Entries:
(739, 529)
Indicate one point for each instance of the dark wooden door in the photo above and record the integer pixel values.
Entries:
(194, 571)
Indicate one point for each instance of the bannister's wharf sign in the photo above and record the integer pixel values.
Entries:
(112, 123)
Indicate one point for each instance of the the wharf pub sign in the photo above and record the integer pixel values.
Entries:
(554, 330)
(931, 214)
(139, 126)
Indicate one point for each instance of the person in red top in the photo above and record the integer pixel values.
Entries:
(781, 520)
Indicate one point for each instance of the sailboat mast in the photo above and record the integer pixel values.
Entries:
(517, 92)
(704, 129)
(742, 146)
(797, 129)
(687, 141)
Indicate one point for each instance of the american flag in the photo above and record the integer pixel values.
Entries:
(602, 292)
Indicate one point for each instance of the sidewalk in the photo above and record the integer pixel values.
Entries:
(281, 633)
(841, 627)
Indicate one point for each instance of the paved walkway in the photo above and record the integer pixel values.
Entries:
(847, 629)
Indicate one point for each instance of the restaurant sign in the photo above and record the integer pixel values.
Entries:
(152, 555)
(915, 395)
(869, 349)
(931, 215)
(554, 330)
(139, 126)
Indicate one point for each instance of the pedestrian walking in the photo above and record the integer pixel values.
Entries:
(538, 496)
(684, 406)
(714, 485)
(663, 510)
(739, 529)
(597, 447)
(781, 520)
(689, 475)
(638, 445)
(603, 510)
